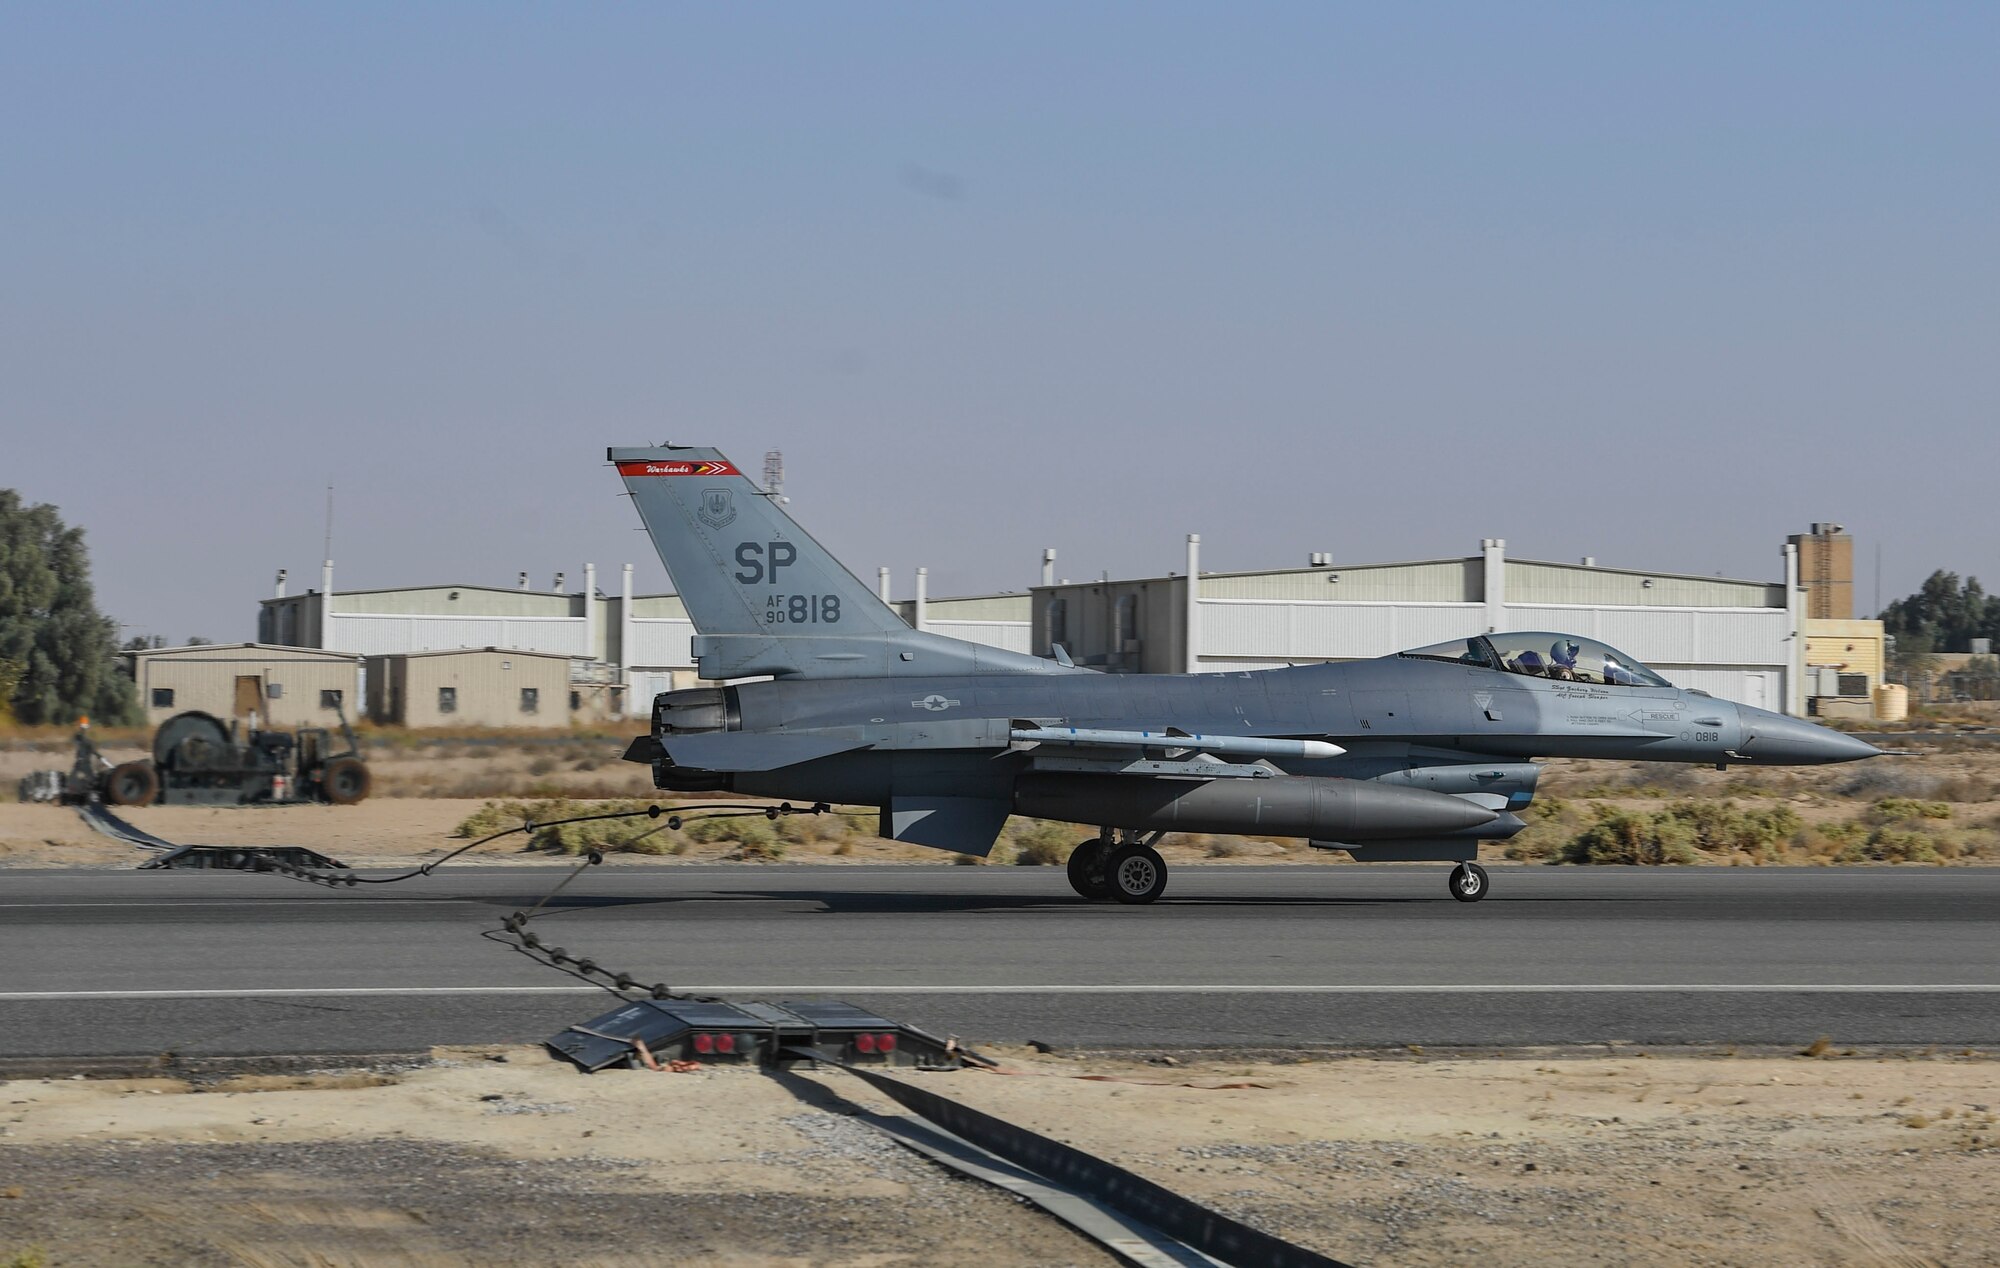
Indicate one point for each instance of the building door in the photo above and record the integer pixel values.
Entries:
(249, 695)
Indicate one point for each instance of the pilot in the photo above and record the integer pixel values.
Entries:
(1562, 659)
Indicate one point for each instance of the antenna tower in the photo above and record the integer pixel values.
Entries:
(774, 476)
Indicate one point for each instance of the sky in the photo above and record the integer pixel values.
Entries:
(1658, 284)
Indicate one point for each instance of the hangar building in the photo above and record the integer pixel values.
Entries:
(1736, 639)
(1750, 641)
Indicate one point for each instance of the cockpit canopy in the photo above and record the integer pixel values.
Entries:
(1546, 655)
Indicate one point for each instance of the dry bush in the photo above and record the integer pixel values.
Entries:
(640, 834)
(1552, 823)
(755, 836)
(1872, 783)
(1224, 847)
(1963, 788)
(1041, 842)
(1626, 836)
(1895, 809)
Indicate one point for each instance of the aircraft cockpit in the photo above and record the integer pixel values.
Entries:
(1567, 657)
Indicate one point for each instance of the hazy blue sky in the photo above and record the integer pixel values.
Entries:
(1658, 284)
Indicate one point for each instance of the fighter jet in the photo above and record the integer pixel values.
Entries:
(1422, 755)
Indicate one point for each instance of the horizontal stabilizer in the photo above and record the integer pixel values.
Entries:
(748, 751)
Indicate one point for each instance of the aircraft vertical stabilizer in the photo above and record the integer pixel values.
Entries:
(763, 595)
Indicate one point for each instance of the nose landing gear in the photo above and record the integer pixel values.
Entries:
(1123, 867)
(1468, 882)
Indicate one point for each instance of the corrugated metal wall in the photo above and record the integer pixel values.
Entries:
(660, 643)
(1671, 636)
(488, 688)
(1014, 636)
(377, 634)
(206, 681)
(1280, 631)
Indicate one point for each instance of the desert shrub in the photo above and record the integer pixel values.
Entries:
(1963, 788)
(542, 765)
(1041, 842)
(1892, 843)
(1873, 782)
(1224, 847)
(1890, 809)
(1721, 827)
(1642, 779)
(1552, 823)
(1625, 836)
(641, 835)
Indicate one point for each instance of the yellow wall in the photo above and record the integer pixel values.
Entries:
(1856, 646)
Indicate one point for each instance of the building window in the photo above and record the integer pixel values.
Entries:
(330, 699)
(163, 697)
(275, 691)
(575, 701)
(447, 700)
(531, 699)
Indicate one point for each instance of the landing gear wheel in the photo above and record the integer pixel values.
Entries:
(1136, 873)
(1086, 870)
(1468, 882)
(133, 784)
(344, 781)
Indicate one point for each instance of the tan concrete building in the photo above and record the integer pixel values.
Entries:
(1826, 570)
(283, 687)
(487, 686)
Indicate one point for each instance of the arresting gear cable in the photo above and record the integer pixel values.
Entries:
(514, 929)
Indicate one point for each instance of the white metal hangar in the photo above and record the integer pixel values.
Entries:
(1735, 639)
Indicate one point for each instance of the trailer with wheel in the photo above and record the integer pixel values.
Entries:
(199, 760)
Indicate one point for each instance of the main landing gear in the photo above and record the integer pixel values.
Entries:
(1468, 882)
(1124, 868)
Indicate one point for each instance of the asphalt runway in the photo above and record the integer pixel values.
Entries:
(221, 964)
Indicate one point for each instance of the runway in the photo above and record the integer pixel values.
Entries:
(124, 963)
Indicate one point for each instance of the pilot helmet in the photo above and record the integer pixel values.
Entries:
(1565, 651)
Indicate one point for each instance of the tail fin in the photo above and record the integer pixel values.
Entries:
(766, 597)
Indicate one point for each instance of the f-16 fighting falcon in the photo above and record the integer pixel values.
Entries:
(1416, 756)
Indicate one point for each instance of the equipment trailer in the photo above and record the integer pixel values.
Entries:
(197, 761)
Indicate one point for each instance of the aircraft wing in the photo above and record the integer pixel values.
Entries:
(750, 751)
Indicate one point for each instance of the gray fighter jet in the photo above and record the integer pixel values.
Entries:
(1417, 756)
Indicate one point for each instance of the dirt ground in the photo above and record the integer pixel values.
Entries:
(503, 1156)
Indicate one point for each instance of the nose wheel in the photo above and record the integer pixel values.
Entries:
(1468, 882)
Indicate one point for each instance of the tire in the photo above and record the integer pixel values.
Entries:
(1136, 874)
(133, 784)
(344, 781)
(1468, 882)
(1086, 870)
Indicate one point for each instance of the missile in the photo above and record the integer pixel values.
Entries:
(1321, 809)
(1233, 745)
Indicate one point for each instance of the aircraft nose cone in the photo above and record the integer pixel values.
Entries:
(1781, 741)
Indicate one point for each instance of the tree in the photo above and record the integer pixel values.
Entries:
(1944, 616)
(65, 651)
